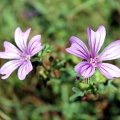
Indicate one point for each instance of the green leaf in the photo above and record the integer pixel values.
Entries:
(111, 85)
(78, 93)
(75, 89)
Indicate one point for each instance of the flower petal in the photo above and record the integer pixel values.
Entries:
(112, 51)
(11, 52)
(34, 45)
(24, 69)
(96, 39)
(85, 69)
(21, 38)
(78, 48)
(9, 67)
(109, 70)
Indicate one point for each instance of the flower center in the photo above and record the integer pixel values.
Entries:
(93, 61)
(25, 56)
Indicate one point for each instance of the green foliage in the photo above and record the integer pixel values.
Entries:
(52, 93)
(78, 93)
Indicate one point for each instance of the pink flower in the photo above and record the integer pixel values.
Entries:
(20, 57)
(95, 40)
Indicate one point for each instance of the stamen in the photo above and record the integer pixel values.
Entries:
(93, 61)
(25, 56)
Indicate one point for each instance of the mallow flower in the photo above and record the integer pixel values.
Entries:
(20, 57)
(92, 60)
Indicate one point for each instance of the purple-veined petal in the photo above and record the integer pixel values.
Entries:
(78, 48)
(24, 69)
(112, 51)
(9, 67)
(85, 69)
(109, 70)
(21, 38)
(11, 52)
(96, 39)
(34, 45)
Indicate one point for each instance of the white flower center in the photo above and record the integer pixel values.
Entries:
(93, 61)
(25, 56)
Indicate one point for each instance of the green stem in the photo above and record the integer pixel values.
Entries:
(47, 71)
(88, 80)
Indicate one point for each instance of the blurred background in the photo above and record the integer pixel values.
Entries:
(56, 21)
